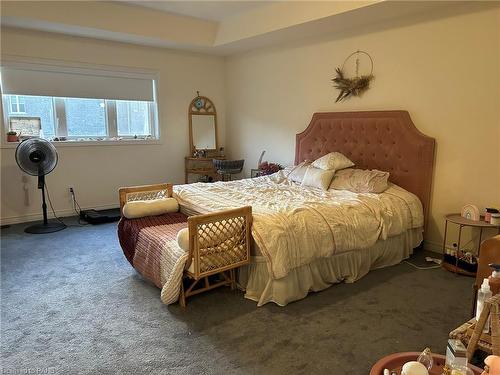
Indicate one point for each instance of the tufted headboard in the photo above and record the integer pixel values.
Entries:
(384, 140)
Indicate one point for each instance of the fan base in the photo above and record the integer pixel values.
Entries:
(45, 228)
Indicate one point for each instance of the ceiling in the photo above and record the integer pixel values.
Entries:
(207, 10)
(222, 27)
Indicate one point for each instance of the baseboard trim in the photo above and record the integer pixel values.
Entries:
(10, 220)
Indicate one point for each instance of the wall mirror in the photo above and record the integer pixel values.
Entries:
(202, 125)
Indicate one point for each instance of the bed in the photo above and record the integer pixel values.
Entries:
(305, 239)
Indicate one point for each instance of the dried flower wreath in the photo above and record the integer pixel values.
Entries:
(352, 86)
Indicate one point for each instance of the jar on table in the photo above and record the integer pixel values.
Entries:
(495, 219)
(489, 212)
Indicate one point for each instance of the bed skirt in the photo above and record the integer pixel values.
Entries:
(322, 273)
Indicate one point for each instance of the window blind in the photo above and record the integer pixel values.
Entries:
(78, 83)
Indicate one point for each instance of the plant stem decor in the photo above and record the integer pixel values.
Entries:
(354, 86)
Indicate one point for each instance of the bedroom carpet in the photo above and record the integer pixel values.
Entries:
(72, 304)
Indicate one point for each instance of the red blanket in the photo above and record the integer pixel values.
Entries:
(129, 229)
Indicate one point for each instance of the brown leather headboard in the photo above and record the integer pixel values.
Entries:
(384, 140)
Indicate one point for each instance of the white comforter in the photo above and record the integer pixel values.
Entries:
(294, 225)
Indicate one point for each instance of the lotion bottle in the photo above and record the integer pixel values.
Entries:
(482, 295)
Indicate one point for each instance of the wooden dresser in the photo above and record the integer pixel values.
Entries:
(201, 166)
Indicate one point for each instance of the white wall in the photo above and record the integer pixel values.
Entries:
(443, 69)
(96, 172)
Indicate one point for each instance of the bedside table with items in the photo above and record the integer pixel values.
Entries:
(462, 222)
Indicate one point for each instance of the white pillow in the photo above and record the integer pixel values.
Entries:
(361, 180)
(183, 239)
(333, 160)
(297, 173)
(317, 177)
(154, 207)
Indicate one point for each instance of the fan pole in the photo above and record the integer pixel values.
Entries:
(41, 185)
(44, 227)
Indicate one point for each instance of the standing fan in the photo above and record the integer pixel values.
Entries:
(38, 157)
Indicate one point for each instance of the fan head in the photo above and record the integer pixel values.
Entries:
(36, 156)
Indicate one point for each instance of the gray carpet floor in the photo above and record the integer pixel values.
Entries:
(72, 304)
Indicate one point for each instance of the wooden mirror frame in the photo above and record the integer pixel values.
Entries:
(207, 109)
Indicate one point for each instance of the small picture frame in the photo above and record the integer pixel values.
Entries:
(25, 127)
(255, 173)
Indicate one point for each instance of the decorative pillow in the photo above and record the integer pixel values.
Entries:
(333, 160)
(154, 207)
(297, 173)
(317, 177)
(183, 239)
(360, 180)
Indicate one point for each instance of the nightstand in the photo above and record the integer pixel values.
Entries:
(463, 222)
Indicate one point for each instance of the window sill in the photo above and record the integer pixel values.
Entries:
(121, 142)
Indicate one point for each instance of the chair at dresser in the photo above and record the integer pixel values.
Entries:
(228, 168)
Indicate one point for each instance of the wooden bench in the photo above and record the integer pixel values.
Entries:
(219, 242)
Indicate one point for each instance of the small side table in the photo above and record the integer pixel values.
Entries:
(463, 222)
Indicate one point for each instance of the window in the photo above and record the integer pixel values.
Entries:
(103, 105)
(85, 117)
(133, 118)
(17, 104)
(32, 106)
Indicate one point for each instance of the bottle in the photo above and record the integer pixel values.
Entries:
(494, 279)
(425, 358)
(482, 295)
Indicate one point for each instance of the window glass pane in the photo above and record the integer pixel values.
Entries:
(13, 104)
(21, 104)
(32, 106)
(132, 118)
(85, 117)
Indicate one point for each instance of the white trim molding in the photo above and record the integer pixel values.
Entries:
(11, 220)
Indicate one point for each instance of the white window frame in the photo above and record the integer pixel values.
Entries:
(110, 108)
(17, 104)
(111, 119)
(62, 125)
(113, 124)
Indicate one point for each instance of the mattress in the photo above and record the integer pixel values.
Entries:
(294, 225)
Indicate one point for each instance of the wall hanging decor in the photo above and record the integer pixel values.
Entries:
(353, 86)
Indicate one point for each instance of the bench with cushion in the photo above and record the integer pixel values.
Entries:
(216, 243)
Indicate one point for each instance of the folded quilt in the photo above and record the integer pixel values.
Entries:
(150, 245)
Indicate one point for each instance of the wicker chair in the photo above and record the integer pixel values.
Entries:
(219, 242)
(226, 168)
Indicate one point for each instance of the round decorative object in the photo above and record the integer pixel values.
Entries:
(199, 103)
(414, 368)
(354, 86)
(470, 212)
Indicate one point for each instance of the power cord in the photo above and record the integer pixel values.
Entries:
(75, 205)
(50, 203)
(54, 212)
(428, 259)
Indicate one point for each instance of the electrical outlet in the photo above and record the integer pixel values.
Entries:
(71, 190)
